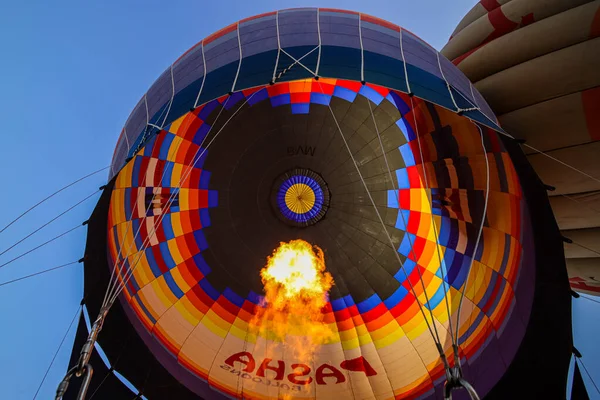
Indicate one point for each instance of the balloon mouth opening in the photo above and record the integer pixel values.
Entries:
(300, 197)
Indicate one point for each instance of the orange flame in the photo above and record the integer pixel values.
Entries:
(296, 289)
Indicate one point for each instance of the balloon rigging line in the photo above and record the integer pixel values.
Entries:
(112, 288)
(50, 196)
(135, 207)
(203, 75)
(405, 223)
(587, 372)
(113, 280)
(57, 351)
(404, 63)
(458, 109)
(433, 332)
(585, 247)
(41, 245)
(581, 202)
(49, 222)
(483, 216)
(162, 214)
(589, 298)
(435, 228)
(563, 163)
(38, 273)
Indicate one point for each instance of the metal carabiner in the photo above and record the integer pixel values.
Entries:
(87, 371)
(456, 383)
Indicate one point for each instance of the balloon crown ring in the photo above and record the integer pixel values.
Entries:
(300, 197)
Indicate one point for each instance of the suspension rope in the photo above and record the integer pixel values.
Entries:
(203, 76)
(318, 33)
(41, 245)
(52, 195)
(410, 93)
(240, 62)
(49, 222)
(129, 274)
(563, 163)
(585, 247)
(278, 47)
(362, 49)
(171, 101)
(57, 351)
(433, 332)
(435, 228)
(458, 109)
(587, 372)
(39, 273)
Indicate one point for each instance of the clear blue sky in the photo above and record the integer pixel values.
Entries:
(71, 72)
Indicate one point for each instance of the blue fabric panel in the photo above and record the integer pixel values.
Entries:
(200, 240)
(255, 298)
(392, 199)
(407, 155)
(402, 219)
(172, 285)
(396, 297)
(166, 255)
(209, 289)
(320, 98)
(213, 199)
(201, 264)
(152, 263)
(368, 304)
(163, 153)
(300, 108)
(233, 297)
(204, 217)
(406, 245)
(257, 97)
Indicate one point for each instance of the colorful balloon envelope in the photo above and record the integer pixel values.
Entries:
(354, 135)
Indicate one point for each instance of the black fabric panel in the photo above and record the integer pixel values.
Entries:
(125, 350)
(540, 367)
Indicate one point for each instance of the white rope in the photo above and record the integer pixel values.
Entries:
(563, 163)
(278, 47)
(240, 62)
(362, 51)
(435, 336)
(435, 228)
(298, 61)
(203, 76)
(483, 216)
(129, 273)
(126, 139)
(404, 62)
(319, 33)
(147, 112)
(458, 109)
(113, 280)
(171, 101)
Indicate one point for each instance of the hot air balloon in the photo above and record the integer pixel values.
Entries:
(536, 63)
(353, 143)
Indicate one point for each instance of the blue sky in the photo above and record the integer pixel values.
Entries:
(71, 73)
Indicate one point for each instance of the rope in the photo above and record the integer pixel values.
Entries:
(129, 274)
(240, 63)
(484, 213)
(585, 247)
(126, 139)
(171, 101)
(41, 245)
(362, 50)
(38, 273)
(50, 196)
(56, 353)
(319, 33)
(589, 298)
(458, 109)
(49, 222)
(563, 163)
(404, 62)
(278, 47)
(436, 335)
(588, 373)
(435, 228)
(203, 76)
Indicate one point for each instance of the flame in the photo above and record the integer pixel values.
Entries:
(296, 290)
